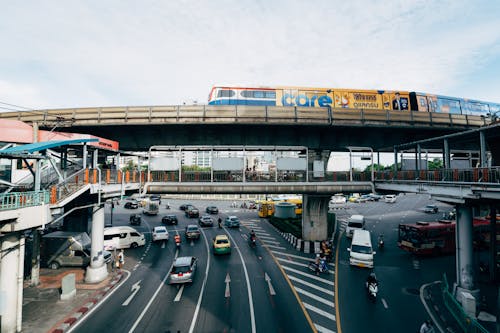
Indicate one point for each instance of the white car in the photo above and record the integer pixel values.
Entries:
(160, 233)
(390, 198)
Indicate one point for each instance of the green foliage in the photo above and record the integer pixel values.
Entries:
(376, 167)
(435, 164)
(290, 225)
(130, 166)
(194, 168)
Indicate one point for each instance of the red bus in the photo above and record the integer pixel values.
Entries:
(426, 238)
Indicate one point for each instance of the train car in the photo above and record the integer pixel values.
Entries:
(311, 97)
(349, 99)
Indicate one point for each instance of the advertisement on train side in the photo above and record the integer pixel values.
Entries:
(340, 98)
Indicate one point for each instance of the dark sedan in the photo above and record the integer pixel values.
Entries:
(212, 210)
(433, 209)
(169, 219)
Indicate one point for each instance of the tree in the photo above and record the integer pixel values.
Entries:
(435, 164)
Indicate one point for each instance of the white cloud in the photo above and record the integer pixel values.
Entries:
(155, 52)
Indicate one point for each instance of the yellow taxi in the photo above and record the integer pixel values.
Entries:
(221, 245)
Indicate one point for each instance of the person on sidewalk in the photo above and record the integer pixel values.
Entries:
(120, 260)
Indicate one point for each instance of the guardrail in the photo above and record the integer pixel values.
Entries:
(242, 114)
(18, 200)
(473, 175)
(468, 324)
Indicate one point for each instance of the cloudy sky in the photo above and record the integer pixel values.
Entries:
(105, 53)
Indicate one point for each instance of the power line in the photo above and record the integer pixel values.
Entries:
(17, 106)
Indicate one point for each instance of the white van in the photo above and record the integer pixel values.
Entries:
(390, 198)
(361, 251)
(122, 237)
(355, 222)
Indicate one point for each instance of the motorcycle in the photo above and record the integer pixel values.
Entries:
(177, 241)
(167, 206)
(323, 267)
(372, 290)
(381, 242)
(253, 241)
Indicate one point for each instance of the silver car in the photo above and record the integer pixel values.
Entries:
(183, 270)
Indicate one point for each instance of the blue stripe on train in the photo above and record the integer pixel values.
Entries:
(241, 102)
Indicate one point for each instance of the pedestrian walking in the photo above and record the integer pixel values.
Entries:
(427, 327)
(121, 259)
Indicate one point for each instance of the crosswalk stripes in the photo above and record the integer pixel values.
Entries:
(315, 292)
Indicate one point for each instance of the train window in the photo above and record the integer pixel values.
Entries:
(476, 108)
(270, 94)
(448, 106)
(225, 93)
(255, 94)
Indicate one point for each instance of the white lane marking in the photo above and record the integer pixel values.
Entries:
(292, 255)
(385, 303)
(179, 294)
(319, 311)
(323, 329)
(311, 285)
(267, 237)
(300, 264)
(200, 297)
(135, 289)
(310, 276)
(249, 288)
(276, 247)
(316, 297)
(227, 292)
(270, 241)
(272, 292)
(163, 244)
(135, 267)
(94, 308)
(150, 302)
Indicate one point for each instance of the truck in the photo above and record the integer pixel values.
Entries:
(66, 248)
(150, 207)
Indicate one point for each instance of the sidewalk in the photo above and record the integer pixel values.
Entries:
(43, 311)
(444, 321)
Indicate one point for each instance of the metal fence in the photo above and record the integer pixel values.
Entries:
(19, 200)
(473, 175)
(468, 324)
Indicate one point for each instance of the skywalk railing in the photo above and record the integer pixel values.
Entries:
(18, 200)
(473, 175)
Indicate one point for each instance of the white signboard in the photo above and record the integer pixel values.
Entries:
(164, 164)
(228, 163)
(319, 169)
(290, 163)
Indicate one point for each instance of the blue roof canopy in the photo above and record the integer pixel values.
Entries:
(40, 146)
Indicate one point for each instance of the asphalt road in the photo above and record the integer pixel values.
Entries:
(398, 307)
(260, 298)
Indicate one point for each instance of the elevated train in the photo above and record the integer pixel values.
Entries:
(349, 99)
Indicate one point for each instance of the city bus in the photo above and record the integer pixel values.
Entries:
(425, 238)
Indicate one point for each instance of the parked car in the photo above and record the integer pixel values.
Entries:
(221, 244)
(192, 232)
(206, 221)
(212, 210)
(433, 209)
(232, 222)
(131, 204)
(183, 270)
(160, 233)
(169, 219)
(135, 219)
(192, 211)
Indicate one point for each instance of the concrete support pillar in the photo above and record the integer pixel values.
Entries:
(395, 168)
(95, 158)
(493, 243)
(85, 156)
(446, 154)
(315, 217)
(117, 161)
(36, 132)
(97, 270)
(11, 282)
(418, 156)
(465, 258)
(482, 150)
(35, 258)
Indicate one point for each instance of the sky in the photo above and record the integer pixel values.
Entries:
(58, 54)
